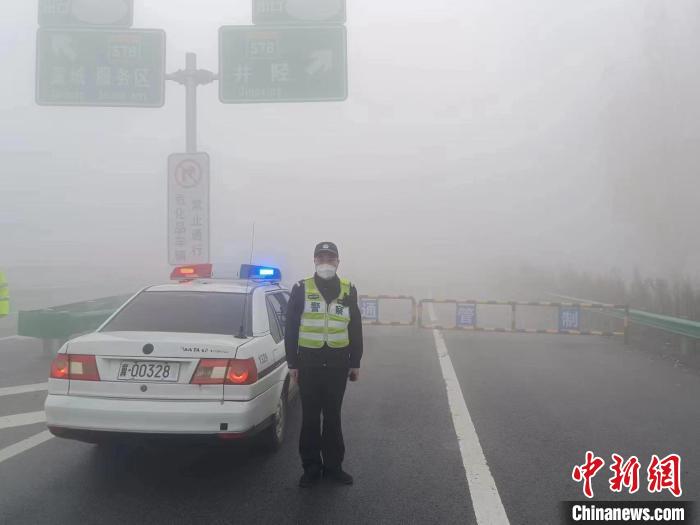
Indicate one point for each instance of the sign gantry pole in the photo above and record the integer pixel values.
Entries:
(188, 179)
(191, 78)
(191, 102)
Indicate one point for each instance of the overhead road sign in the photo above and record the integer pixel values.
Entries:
(299, 11)
(97, 67)
(93, 13)
(282, 64)
(188, 208)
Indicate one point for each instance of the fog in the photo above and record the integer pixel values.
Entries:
(478, 136)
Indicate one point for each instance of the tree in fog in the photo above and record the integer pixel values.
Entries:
(651, 127)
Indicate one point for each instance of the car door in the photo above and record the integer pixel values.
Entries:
(277, 311)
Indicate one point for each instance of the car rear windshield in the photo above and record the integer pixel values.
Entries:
(189, 312)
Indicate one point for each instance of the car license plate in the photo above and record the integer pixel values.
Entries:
(148, 371)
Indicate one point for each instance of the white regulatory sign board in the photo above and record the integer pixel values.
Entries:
(188, 208)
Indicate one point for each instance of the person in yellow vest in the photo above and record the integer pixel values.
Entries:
(4, 297)
(323, 342)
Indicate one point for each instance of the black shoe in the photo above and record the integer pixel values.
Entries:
(338, 475)
(310, 477)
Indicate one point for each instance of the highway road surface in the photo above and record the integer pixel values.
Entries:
(443, 427)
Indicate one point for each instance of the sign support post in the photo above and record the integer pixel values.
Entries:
(191, 78)
(191, 102)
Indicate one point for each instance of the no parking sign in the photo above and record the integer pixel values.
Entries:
(188, 209)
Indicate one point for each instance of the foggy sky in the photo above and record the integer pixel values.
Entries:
(478, 135)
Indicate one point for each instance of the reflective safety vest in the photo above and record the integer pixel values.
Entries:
(4, 296)
(324, 323)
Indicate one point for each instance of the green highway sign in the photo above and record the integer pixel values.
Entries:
(299, 11)
(102, 13)
(282, 64)
(97, 67)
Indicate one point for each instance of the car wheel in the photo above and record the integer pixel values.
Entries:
(273, 436)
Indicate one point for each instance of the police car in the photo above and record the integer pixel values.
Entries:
(201, 358)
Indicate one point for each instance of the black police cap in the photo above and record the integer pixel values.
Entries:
(326, 247)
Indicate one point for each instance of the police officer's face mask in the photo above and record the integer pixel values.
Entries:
(326, 271)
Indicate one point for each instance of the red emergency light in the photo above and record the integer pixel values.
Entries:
(192, 271)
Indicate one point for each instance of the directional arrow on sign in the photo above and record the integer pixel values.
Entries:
(321, 61)
(312, 59)
(62, 45)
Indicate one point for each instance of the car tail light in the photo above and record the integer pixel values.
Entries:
(225, 371)
(241, 372)
(77, 367)
(59, 367)
(210, 372)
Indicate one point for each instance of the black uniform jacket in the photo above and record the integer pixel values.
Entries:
(298, 356)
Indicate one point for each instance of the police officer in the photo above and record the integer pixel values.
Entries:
(4, 297)
(323, 342)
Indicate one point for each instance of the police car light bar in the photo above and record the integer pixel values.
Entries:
(193, 271)
(263, 273)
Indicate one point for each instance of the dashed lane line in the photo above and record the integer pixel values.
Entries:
(22, 420)
(24, 445)
(23, 389)
(486, 501)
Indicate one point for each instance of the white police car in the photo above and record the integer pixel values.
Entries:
(203, 358)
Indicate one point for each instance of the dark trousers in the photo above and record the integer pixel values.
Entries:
(321, 390)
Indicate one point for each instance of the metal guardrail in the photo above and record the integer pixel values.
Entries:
(63, 322)
(674, 325)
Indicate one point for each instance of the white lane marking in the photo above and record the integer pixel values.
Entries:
(486, 501)
(23, 389)
(21, 420)
(24, 445)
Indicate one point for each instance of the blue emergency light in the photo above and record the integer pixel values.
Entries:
(263, 273)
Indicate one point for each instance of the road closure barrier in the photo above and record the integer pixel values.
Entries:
(569, 317)
(372, 305)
